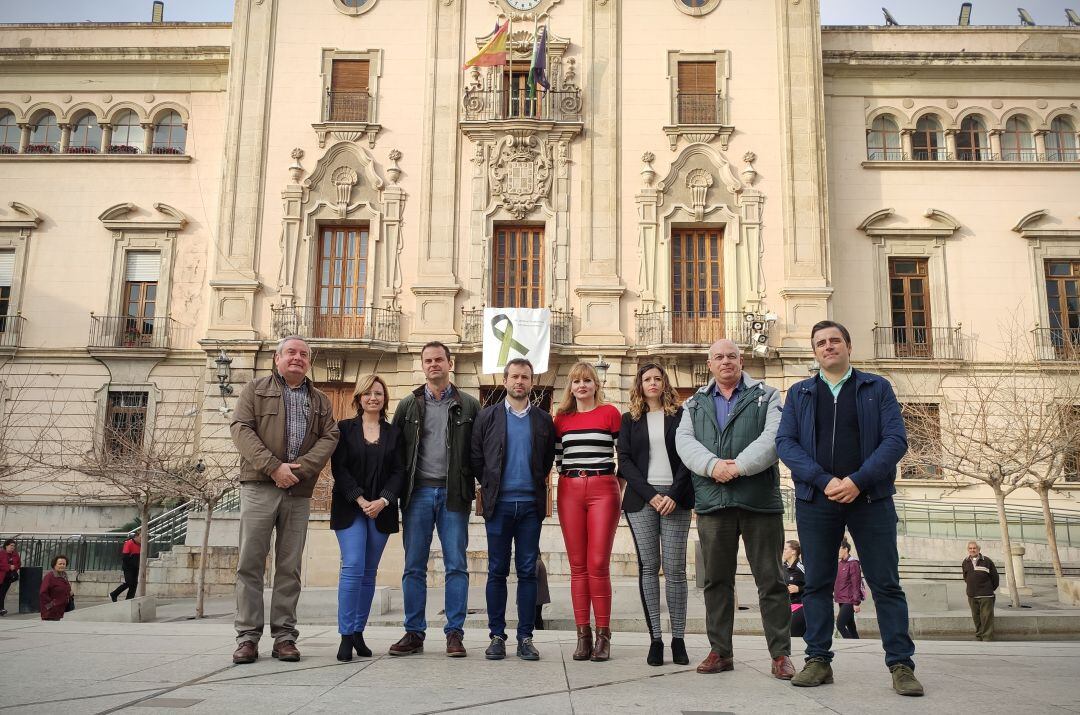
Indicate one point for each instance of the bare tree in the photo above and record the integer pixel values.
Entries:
(1000, 425)
(29, 427)
(1064, 435)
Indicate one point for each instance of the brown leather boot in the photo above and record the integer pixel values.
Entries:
(584, 643)
(602, 648)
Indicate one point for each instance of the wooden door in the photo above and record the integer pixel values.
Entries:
(341, 285)
(697, 286)
(341, 395)
(909, 297)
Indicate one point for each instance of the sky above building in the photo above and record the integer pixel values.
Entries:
(833, 12)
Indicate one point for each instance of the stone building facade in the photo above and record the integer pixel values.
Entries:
(697, 169)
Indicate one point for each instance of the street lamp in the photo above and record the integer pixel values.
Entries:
(224, 372)
(601, 367)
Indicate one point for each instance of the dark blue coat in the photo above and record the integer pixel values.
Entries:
(881, 430)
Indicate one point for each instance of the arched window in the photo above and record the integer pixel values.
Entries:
(128, 136)
(10, 134)
(44, 135)
(972, 143)
(85, 135)
(169, 134)
(1061, 141)
(883, 140)
(928, 141)
(1017, 141)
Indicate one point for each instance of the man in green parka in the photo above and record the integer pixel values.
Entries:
(727, 438)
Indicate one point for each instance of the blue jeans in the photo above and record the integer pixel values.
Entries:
(514, 524)
(361, 548)
(872, 524)
(426, 512)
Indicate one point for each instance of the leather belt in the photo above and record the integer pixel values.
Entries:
(575, 473)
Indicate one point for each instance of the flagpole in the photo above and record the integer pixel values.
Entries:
(510, 63)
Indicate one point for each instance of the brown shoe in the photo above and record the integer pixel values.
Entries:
(716, 663)
(454, 647)
(246, 652)
(601, 649)
(286, 651)
(782, 669)
(410, 643)
(584, 643)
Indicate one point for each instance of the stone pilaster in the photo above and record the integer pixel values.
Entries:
(805, 225)
(600, 287)
(234, 279)
(437, 283)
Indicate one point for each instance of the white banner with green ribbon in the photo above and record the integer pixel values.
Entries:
(516, 332)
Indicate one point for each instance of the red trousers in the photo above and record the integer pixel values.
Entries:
(589, 509)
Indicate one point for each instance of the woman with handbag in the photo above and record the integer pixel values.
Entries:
(368, 476)
(586, 431)
(657, 503)
(55, 593)
(9, 570)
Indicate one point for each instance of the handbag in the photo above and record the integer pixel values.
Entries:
(70, 605)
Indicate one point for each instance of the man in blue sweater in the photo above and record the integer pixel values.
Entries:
(513, 448)
(842, 435)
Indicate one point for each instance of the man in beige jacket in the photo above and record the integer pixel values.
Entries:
(285, 432)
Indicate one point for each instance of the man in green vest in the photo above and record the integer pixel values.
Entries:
(727, 438)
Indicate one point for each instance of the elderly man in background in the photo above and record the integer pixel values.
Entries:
(285, 432)
(981, 577)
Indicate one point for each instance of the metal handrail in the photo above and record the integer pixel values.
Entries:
(559, 105)
(11, 327)
(917, 343)
(130, 331)
(691, 327)
(365, 322)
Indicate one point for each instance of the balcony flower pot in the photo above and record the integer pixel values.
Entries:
(40, 149)
(8, 149)
(82, 150)
(171, 150)
(123, 149)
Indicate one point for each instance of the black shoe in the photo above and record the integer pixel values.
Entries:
(497, 649)
(113, 597)
(344, 650)
(678, 652)
(3, 611)
(526, 650)
(360, 646)
(656, 652)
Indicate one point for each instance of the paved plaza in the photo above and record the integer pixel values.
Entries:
(80, 667)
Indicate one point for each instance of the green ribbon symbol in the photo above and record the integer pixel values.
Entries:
(506, 337)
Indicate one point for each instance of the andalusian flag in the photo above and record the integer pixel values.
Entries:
(538, 68)
(494, 52)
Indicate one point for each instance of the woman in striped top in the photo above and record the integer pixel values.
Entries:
(586, 430)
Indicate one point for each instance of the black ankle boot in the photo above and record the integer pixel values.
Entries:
(344, 651)
(656, 653)
(678, 652)
(358, 643)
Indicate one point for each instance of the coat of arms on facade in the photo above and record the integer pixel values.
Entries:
(520, 170)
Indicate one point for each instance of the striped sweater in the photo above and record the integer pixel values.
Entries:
(586, 440)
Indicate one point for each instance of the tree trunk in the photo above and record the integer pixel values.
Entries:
(200, 579)
(1051, 532)
(144, 545)
(1006, 541)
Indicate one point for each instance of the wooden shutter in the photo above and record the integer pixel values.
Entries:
(143, 266)
(697, 78)
(909, 297)
(7, 268)
(518, 263)
(349, 76)
(697, 286)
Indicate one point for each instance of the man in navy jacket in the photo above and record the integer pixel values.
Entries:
(842, 435)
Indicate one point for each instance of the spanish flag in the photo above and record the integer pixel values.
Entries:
(494, 52)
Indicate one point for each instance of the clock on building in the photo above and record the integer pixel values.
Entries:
(523, 4)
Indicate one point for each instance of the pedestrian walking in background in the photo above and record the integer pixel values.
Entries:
(727, 438)
(657, 503)
(368, 476)
(10, 563)
(55, 593)
(285, 432)
(981, 577)
(587, 431)
(129, 562)
(513, 448)
(436, 421)
(796, 580)
(848, 591)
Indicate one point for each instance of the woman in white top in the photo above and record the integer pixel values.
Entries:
(657, 503)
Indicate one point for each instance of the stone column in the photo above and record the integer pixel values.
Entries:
(1040, 144)
(1018, 568)
(950, 145)
(805, 201)
(905, 143)
(995, 144)
(65, 138)
(106, 137)
(234, 277)
(437, 285)
(600, 286)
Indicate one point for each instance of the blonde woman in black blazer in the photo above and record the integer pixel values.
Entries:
(657, 502)
(368, 477)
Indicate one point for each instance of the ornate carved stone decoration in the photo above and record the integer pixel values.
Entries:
(344, 178)
(648, 175)
(749, 173)
(520, 172)
(296, 170)
(698, 181)
(394, 172)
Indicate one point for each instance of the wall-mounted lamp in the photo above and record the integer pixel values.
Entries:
(224, 373)
(200, 467)
(601, 367)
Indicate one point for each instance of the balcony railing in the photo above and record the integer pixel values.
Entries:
(1052, 156)
(905, 342)
(698, 108)
(699, 327)
(11, 327)
(312, 321)
(347, 106)
(556, 105)
(562, 326)
(126, 331)
(1057, 343)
